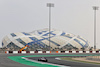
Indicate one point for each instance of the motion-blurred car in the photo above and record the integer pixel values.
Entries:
(43, 59)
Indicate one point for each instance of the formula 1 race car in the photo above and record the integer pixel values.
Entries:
(43, 59)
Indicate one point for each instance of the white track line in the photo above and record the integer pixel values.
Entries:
(44, 62)
(58, 58)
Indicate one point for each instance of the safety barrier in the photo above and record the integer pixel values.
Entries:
(24, 52)
(31, 52)
(77, 51)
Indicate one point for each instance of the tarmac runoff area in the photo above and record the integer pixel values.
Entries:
(16, 60)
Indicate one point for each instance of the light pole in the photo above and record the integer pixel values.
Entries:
(50, 5)
(95, 8)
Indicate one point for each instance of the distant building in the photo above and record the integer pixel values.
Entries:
(39, 39)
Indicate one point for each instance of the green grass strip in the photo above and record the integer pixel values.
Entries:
(30, 63)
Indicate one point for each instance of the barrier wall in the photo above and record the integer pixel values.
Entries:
(32, 52)
(77, 51)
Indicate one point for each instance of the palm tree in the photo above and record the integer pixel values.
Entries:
(75, 48)
(82, 48)
(91, 48)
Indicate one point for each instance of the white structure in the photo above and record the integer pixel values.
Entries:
(40, 39)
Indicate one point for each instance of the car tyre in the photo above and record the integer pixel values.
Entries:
(46, 60)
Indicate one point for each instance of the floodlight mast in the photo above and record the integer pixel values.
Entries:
(50, 5)
(95, 8)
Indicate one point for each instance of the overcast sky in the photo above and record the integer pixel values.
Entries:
(71, 16)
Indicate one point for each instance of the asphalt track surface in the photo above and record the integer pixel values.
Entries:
(66, 63)
(5, 62)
